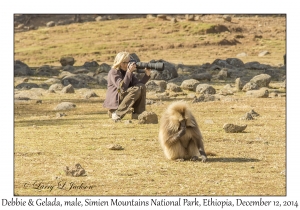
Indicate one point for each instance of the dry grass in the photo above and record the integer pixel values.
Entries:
(248, 163)
(183, 42)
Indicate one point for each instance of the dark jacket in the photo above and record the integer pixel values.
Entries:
(117, 84)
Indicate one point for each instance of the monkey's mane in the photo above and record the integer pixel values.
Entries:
(176, 112)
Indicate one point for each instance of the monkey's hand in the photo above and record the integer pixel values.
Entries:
(182, 129)
(175, 137)
(203, 156)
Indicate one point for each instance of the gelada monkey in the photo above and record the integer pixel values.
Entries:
(179, 134)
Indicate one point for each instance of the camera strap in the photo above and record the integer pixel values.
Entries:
(120, 87)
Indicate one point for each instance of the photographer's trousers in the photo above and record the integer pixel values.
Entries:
(134, 97)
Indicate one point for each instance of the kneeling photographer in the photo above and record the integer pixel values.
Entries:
(124, 90)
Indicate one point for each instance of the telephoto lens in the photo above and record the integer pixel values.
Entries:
(159, 66)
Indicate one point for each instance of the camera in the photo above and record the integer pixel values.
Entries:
(140, 66)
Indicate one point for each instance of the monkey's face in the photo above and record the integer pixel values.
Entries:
(176, 116)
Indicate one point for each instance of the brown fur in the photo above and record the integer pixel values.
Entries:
(179, 134)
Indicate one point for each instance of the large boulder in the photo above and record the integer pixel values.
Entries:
(103, 68)
(206, 89)
(78, 80)
(256, 65)
(229, 63)
(135, 57)
(168, 73)
(235, 62)
(262, 80)
(190, 84)
(47, 70)
(21, 69)
(202, 76)
(90, 64)
(101, 79)
(67, 61)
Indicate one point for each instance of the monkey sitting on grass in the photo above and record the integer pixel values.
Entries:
(179, 134)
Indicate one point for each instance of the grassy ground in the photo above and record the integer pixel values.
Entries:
(182, 42)
(248, 163)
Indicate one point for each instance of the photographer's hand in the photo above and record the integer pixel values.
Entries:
(131, 67)
(147, 71)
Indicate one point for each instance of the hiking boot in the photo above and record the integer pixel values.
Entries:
(115, 117)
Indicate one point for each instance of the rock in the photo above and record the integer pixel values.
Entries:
(227, 18)
(135, 57)
(91, 64)
(263, 53)
(65, 106)
(247, 116)
(261, 93)
(115, 147)
(103, 68)
(67, 61)
(262, 80)
(238, 84)
(256, 65)
(78, 80)
(56, 87)
(253, 113)
(89, 94)
(168, 73)
(148, 118)
(250, 86)
(173, 87)
(75, 171)
(189, 17)
(161, 17)
(82, 70)
(156, 85)
(68, 68)
(52, 81)
(68, 89)
(227, 90)
(50, 24)
(202, 76)
(58, 115)
(243, 54)
(190, 84)
(205, 98)
(27, 86)
(46, 70)
(222, 75)
(205, 89)
(21, 69)
(232, 128)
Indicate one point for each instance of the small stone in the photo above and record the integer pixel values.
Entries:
(253, 113)
(75, 171)
(248, 116)
(115, 147)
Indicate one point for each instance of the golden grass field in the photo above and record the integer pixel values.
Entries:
(249, 163)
